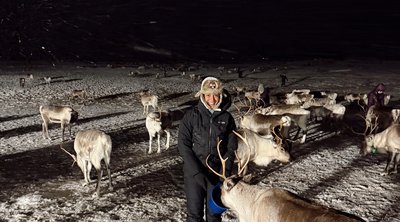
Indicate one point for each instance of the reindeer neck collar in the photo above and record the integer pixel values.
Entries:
(374, 149)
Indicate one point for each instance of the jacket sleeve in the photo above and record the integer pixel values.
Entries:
(185, 145)
(371, 99)
(231, 146)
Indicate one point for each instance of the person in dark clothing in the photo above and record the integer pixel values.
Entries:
(199, 132)
(377, 96)
(283, 79)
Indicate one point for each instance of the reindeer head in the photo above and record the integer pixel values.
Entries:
(74, 116)
(233, 181)
(368, 145)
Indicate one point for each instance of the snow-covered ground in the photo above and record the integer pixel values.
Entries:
(38, 182)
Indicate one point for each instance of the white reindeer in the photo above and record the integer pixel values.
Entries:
(351, 97)
(298, 115)
(259, 149)
(47, 79)
(264, 124)
(92, 146)
(65, 115)
(252, 203)
(156, 124)
(148, 100)
(387, 141)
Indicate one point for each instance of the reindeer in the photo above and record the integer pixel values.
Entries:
(65, 115)
(359, 97)
(298, 115)
(332, 95)
(260, 150)
(252, 203)
(298, 98)
(239, 89)
(318, 102)
(47, 80)
(267, 124)
(78, 93)
(264, 124)
(192, 77)
(148, 100)
(387, 141)
(387, 115)
(92, 146)
(301, 91)
(156, 124)
(254, 95)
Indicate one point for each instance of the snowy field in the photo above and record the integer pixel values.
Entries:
(38, 182)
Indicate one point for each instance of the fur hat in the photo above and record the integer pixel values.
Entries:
(210, 85)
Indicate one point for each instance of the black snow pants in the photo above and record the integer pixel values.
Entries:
(196, 197)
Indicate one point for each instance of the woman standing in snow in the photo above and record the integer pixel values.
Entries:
(199, 132)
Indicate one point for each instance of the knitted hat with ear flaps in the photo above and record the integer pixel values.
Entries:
(210, 85)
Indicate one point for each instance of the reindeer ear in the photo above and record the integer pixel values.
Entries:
(231, 182)
(228, 184)
(247, 178)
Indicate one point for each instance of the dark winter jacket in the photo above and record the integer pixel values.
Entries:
(199, 132)
(375, 98)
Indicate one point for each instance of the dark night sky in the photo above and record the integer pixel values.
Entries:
(122, 30)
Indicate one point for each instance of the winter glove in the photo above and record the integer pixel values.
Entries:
(201, 180)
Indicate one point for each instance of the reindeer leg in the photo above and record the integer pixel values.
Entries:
(168, 138)
(396, 163)
(150, 141)
(89, 168)
(70, 131)
(110, 187)
(63, 130)
(99, 175)
(158, 142)
(44, 131)
(390, 159)
(85, 172)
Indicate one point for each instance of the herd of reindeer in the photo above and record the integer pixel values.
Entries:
(264, 133)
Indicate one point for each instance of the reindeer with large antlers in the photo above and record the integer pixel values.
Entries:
(252, 203)
(387, 141)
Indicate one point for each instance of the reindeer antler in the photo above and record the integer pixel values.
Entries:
(73, 156)
(223, 162)
(279, 140)
(241, 168)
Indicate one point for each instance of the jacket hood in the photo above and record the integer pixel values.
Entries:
(225, 103)
(379, 87)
